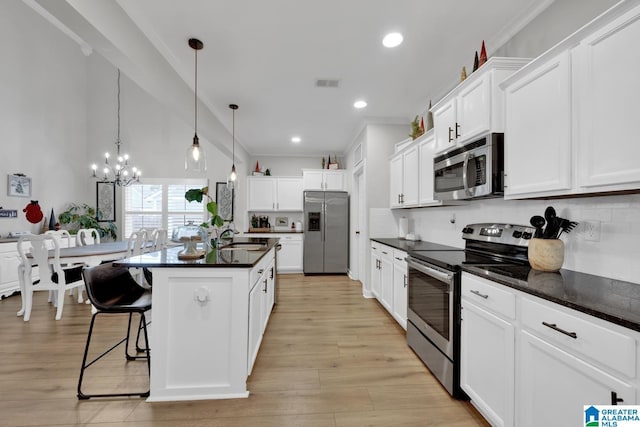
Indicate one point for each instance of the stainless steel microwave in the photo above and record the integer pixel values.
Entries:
(472, 171)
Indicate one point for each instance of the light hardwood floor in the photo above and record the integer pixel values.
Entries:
(329, 358)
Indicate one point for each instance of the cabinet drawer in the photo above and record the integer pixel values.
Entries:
(399, 256)
(605, 345)
(485, 294)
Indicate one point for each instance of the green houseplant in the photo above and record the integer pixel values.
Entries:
(81, 215)
(215, 221)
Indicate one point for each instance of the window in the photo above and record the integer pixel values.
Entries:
(160, 203)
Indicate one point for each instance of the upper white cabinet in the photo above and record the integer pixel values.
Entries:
(571, 122)
(324, 179)
(426, 149)
(404, 169)
(274, 193)
(475, 106)
(608, 106)
(538, 129)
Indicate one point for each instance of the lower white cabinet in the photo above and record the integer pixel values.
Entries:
(488, 349)
(389, 280)
(9, 261)
(261, 300)
(555, 384)
(400, 278)
(290, 256)
(526, 361)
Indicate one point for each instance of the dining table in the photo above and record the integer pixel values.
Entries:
(89, 255)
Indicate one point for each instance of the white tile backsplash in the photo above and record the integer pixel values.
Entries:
(616, 255)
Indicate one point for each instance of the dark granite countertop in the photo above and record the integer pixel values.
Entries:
(237, 258)
(613, 300)
(410, 245)
(274, 232)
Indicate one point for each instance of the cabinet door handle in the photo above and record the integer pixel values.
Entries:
(399, 259)
(405, 280)
(562, 331)
(457, 128)
(271, 275)
(615, 399)
(473, 291)
(260, 271)
(265, 286)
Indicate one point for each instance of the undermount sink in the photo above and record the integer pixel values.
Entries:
(244, 246)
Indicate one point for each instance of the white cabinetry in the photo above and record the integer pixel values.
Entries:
(404, 168)
(389, 280)
(567, 360)
(427, 148)
(609, 126)
(9, 261)
(274, 193)
(487, 355)
(324, 179)
(521, 352)
(290, 256)
(475, 106)
(400, 277)
(571, 124)
(261, 300)
(538, 130)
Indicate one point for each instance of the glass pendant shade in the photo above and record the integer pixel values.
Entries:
(195, 159)
(231, 181)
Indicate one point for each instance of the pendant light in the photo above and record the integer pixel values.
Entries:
(120, 173)
(195, 160)
(231, 182)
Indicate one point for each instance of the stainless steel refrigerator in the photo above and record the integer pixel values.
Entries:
(326, 232)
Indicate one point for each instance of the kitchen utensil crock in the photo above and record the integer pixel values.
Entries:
(546, 254)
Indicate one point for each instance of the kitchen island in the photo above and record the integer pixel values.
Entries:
(209, 315)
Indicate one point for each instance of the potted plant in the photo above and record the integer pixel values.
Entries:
(215, 222)
(81, 215)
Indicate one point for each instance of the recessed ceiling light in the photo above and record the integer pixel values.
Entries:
(296, 139)
(360, 104)
(392, 39)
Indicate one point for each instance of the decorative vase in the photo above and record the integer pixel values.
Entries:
(429, 118)
(546, 254)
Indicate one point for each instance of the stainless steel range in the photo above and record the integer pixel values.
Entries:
(433, 329)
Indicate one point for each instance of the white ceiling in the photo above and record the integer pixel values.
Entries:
(266, 55)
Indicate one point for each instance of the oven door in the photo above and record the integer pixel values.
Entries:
(431, 303)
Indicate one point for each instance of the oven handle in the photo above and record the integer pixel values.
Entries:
(440, 275)
(467, 156)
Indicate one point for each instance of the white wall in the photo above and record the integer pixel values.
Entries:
(42, 114)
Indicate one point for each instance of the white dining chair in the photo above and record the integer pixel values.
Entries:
(34, 251)
(87, 236)
(137, 243)
(62, 236)
(159, 238)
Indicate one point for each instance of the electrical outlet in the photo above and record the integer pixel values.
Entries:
(592, 230)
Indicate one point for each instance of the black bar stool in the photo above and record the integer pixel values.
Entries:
(113, 290)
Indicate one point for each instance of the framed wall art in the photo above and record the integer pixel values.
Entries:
(106, 201)
(224, 200)
(18, 185)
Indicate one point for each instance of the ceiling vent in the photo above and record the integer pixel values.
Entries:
(327, 82)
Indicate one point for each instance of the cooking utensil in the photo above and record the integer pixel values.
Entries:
(538, 222)
(566, 225)
(551, 231)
